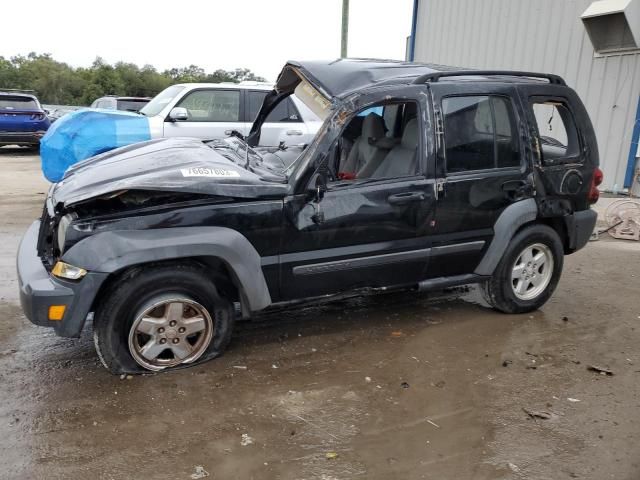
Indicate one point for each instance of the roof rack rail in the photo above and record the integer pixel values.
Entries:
(435, 76)
(21, 90)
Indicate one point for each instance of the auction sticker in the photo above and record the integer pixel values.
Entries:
(209, 172)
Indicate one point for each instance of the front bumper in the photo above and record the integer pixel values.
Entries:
(21, 138)
(39, 290)
(580, 226)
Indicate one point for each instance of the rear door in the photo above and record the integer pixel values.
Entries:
(284, 123)
(213, 113)
(481, 168)
(563, 141)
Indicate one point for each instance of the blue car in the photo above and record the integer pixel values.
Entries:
(23, 121)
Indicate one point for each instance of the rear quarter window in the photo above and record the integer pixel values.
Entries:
(558, 137)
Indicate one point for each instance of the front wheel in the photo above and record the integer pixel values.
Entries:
(528, 273)
(161, 317)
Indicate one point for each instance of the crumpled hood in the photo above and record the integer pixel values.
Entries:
(170, 164)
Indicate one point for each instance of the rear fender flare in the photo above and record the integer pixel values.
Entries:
(509, 222)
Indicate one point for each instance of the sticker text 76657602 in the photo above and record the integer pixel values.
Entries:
(209, 172)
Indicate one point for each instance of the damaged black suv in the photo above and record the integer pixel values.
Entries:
(421, 177)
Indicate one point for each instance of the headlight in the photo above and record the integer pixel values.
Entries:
(64, 270)
(63, 225)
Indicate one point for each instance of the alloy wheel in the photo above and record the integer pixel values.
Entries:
(532, 271)
(170, 332)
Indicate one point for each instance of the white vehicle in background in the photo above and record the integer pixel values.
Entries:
(213, 110)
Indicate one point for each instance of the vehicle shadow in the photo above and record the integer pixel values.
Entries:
(395, 311)
(16, 151)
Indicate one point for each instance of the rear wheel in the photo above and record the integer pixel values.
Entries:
(528, 273)
(160, 317)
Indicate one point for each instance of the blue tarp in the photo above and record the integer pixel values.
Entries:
(85, 133)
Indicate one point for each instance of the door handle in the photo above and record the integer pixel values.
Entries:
(404, 198)
(294, 132)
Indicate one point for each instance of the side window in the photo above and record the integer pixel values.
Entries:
(391, 114)
(293, 115)
(254, 104)
(557, 131)
(280, 113)
(285, 111)
(366, 149)
(468, 136)
(480, 133)
(482, 120)
(212, 105)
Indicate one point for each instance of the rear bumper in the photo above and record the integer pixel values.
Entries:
(39, 290)
(580, 226)
(21, 138)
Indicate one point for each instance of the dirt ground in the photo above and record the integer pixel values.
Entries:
(397, 386)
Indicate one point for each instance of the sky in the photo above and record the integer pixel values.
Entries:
(257, 34)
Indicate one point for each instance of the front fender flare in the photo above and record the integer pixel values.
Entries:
(109, 252)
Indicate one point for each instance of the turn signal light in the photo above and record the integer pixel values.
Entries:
(56, 312)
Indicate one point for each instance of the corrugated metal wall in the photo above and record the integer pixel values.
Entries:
(539, 35)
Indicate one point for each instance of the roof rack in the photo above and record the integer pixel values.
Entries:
(435, 76)
(16, 90)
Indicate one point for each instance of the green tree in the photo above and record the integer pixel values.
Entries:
(58, 83)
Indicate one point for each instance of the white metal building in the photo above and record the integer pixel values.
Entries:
(594, 46)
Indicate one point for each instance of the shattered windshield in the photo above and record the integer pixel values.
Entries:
(235, 150)
(259, 160)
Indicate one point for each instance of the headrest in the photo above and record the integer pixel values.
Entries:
(373, 126)
(410, 135)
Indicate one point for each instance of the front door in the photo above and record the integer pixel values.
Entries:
(481, 169)
(368, 231)
(213, 113)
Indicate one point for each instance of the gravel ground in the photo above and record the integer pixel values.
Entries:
(396, 386)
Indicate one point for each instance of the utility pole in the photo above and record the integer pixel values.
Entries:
(345, 29)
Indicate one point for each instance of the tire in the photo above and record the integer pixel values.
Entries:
(511, 288)
(161, 306)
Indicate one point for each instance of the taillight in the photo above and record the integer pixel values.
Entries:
(594, 193)
(37, 116)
